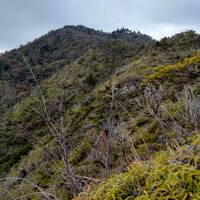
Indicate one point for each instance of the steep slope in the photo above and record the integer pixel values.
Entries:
(81, 55)
(49, 54)
(115, 106)
(46, 55)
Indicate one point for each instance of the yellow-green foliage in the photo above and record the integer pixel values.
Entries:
(171, 110)
(170, 175)
(80, 152)
(166, 71)
(173, 181)
(24, 111)
(53, 92)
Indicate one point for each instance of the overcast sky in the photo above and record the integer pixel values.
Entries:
(24, 20)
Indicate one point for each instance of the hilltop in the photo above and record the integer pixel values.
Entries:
(79, 106)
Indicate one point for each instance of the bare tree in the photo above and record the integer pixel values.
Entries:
(59, 132)
(193, 108)
(40, 191)
(153, 100)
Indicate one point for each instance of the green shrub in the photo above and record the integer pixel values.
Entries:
(172, 71)
(167, 176)
(24, 112)
(79, 153)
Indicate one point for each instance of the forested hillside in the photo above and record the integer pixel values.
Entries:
(93, 115)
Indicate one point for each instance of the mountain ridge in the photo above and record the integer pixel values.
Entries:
(114, 104)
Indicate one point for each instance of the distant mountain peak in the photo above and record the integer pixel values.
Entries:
(131, 36)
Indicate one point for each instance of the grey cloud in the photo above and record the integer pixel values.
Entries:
(24, 20)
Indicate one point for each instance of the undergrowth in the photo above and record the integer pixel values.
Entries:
(169, 175)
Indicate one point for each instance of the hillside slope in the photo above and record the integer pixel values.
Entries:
(118, 104)
(81, 55)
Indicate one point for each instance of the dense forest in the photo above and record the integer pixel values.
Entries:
(89, 115)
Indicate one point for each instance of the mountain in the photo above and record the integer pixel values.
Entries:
(79, 106)
(50, 53)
